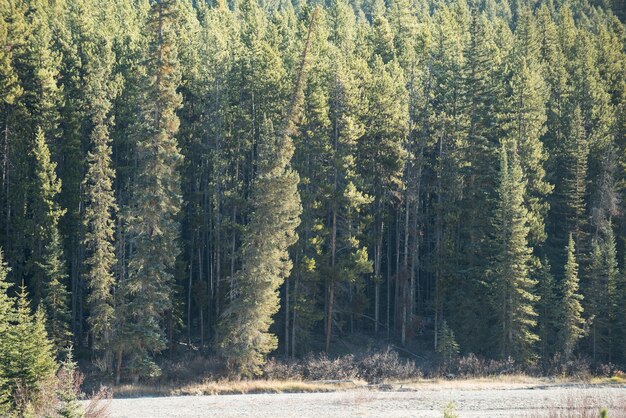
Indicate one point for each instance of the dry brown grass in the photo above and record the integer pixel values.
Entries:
(99, 404)
(232, 387)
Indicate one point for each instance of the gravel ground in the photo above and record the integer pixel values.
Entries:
(484, 403)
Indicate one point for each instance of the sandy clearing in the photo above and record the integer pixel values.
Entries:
(510, 402)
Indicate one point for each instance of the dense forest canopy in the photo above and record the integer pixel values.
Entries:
(250, 178)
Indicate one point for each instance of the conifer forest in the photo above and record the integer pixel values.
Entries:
(250, 180)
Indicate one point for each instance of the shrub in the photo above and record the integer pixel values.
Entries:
(373, 367)
(321, 367)
(473, 366)
(386, 365)
(98, 405)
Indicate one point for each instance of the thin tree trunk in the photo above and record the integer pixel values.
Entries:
(287, 317)
(331, 292)
(189, 291)
(377, 257)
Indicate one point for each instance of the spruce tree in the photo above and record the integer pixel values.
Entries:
(100, 206)
(513, 287)
(31, 362)
(576, 155)
(571, 321)
(50, 271)
(601, 298)
(524, 121)
(448, 348)
(69, 407)
(153, 224)
(6, 322)
(548, 310)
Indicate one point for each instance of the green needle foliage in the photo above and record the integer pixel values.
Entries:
(572, 321)
(51, 275)
(513, 296)
(154, 227)
(162, 186)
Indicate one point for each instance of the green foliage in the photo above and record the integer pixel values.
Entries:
(447, 346)
(153, 225)
(6, 320)
(450, 411)
(513, 298)
(31, 366)
(271, 231)
(571, 321)
(100, 203)
(50, 270)
(157, 204)
(69, 407)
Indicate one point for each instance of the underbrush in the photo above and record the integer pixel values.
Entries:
(373, 367)
(191, 374)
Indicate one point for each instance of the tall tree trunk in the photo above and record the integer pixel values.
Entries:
(331, 286)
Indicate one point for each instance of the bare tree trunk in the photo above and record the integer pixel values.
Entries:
(331, 291)
(189, 291)
(377, 257)
(294, 315)
(200, 307)
(287, 317)
(118, 369)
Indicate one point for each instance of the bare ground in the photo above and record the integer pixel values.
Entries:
(417, 400)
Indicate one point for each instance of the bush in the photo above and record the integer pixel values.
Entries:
(473, 366)
(373, 367)
(386, 365)
(321, 367)
(282, 370)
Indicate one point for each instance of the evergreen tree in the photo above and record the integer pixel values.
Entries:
(381, 154)
(69, 407)
(6, 320)
(245, 339)
(30, 364)
(548, 313)
(601, 296)
(574, 182)
(513, 287)
(571, 322)
(524, 122)
(50, 271)
(100, 205)
(448, 348)
(153, 224)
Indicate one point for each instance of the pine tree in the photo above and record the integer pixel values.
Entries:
(50, 271)
(244, 326)
(245, 340)
(513, 296)
(154, 226)
(571, 321)
(381, 154)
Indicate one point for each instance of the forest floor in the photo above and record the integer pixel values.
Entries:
(516, 397)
